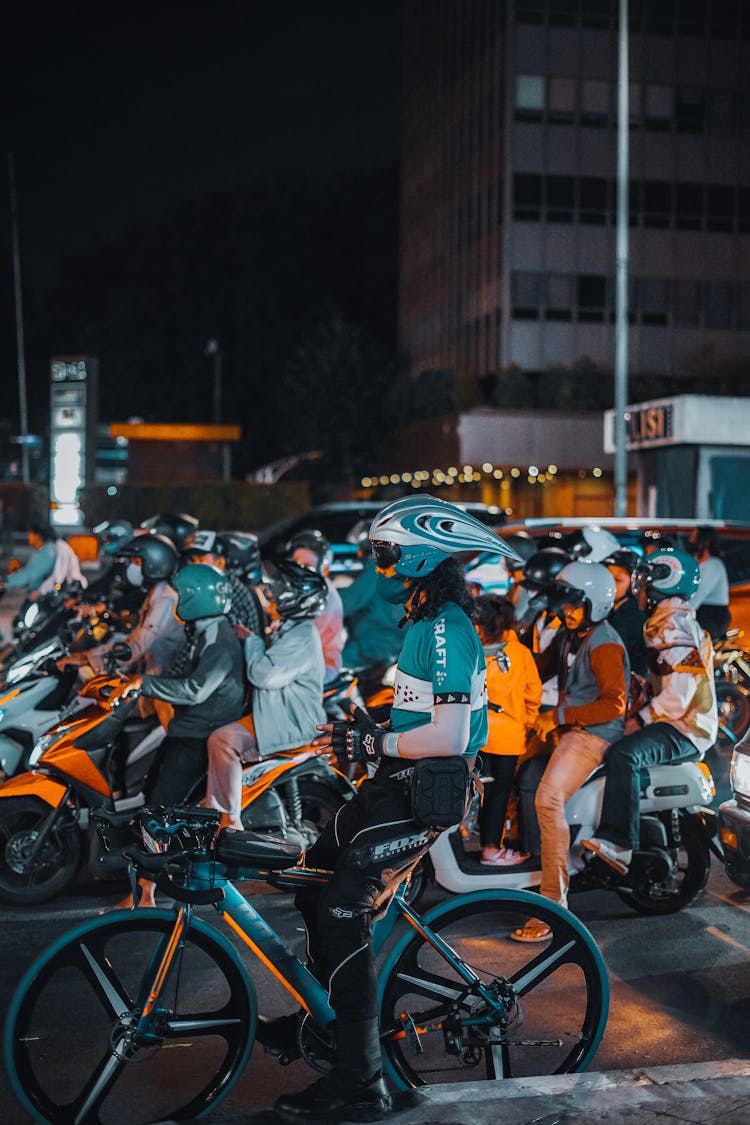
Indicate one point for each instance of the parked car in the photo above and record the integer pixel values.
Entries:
(734, 818)
(340, 522)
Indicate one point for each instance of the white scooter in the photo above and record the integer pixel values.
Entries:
(667, 872)
(35, 697)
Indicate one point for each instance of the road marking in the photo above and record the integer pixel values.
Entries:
(729, 901)
(725, 937)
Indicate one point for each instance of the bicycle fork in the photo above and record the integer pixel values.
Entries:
(156, 975)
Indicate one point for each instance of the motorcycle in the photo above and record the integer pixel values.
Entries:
(36, 697)
(102, 757)
(667, 872)
(732, 676)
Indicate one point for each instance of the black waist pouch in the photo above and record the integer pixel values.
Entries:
(439, 791)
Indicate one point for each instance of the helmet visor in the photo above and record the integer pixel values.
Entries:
(385, 554)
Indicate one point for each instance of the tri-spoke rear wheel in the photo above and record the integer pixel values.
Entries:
(72, 1047)
(534, 1009)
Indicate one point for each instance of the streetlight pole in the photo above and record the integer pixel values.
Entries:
(213, 351)
(621, 258)
(20, 345)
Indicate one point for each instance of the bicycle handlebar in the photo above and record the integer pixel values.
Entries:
(155, 867)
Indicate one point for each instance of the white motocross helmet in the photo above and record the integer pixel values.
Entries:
(417, 533)
(589, 583)
(592, 543)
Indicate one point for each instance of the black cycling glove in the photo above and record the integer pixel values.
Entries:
(360, 740)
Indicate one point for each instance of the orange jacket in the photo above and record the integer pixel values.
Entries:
(514, 692)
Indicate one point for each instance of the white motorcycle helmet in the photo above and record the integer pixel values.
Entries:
(592, 543)
(418, 533)
(589, 583)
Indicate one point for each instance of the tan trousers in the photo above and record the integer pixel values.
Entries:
(576, 755)
(229, 748)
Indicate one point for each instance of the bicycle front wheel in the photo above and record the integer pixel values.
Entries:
(71, 1047)
(531, 1009)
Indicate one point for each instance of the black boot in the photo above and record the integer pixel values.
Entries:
(354, 1090)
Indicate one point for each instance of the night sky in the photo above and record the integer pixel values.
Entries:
(121, 115)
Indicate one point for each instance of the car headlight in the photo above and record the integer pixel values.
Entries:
(739, 774)
(43, 744)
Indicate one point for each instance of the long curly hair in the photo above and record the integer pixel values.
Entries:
(445, 584)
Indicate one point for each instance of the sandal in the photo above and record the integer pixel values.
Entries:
(532, 931)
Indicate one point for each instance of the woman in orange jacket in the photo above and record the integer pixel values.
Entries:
(514, 692)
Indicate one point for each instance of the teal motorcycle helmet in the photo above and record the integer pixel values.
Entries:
(416, 534)
(202, 591)
(667, 574)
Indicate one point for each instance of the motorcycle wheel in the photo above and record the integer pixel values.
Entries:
(693, 863)
(320, 802)
(734, 717)
(57, 866)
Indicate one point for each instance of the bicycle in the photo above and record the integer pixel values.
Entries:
(457, 1000)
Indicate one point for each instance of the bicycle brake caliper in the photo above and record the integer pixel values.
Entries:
(411, 1033)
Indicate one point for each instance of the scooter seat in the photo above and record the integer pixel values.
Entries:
(251, 849)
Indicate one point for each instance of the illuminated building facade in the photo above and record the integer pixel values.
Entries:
(508, 184)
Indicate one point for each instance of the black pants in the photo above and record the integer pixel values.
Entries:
(181, 764)
(501, 768)
(372, 840)
(715, 619)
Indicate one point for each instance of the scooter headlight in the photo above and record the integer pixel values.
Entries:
(30, 615)
(41, 745)
(32, 660)
(739, 774)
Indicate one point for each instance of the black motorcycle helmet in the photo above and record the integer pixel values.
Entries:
(541, 569)
(175, 526)
(299, 591)
(624, 558)
(157, 555)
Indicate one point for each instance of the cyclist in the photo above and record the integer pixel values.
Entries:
(681, 719)
(439, 715)
(287, 678)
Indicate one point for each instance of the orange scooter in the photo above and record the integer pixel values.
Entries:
(101, 758)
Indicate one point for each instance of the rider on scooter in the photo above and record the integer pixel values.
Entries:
(287, 678)
(590, 713)
(438, 723)
(311, 549)
(681, 719)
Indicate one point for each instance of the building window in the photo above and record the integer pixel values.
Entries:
(529, 97)
(690, 110)
(689, 206)
(596, 13)
(744, 210)
(657, 203)
(560, 296)
(653, 300)
(561, 199)
(594, 102)
(718, 304)
(563, 13)
(527, 196)
(719, 207)
(722, 113)
(658, 107)
(525, 295)
(692, 18)
(686, 304)
(743, 306)
(592, 291)
(593, 200)
(530, 11)
(562, 101)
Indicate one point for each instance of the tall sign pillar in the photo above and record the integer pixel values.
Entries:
(73, 414)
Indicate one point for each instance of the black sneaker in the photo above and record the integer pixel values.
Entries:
(331, 1099)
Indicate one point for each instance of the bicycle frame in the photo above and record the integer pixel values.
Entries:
(273, 952)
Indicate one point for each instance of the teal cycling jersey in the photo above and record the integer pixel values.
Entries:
(441, 662)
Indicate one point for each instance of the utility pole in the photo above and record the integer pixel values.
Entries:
(213, 351)
(20, 346)
(621, 259)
